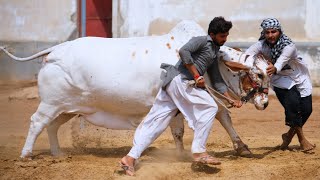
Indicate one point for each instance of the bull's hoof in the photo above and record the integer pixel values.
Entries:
(244, 151)
(26, 158)
(26, 155)
(58, 153)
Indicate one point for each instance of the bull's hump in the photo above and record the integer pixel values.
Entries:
(162, 48)
(229, 54)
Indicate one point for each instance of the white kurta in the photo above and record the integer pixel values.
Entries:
(298, 74)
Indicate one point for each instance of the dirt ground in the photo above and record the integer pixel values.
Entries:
(93, 153)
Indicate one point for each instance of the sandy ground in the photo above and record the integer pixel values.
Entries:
(93, 153)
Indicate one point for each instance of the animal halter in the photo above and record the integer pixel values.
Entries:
(246, 96)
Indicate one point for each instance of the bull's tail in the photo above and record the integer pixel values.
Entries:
(39, 54)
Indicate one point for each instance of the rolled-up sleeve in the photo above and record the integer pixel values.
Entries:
(216, 78)
(190, 47)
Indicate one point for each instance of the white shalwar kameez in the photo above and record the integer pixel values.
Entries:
(197, 106)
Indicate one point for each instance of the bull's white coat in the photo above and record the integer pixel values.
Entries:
(116, 78)
(110, 82)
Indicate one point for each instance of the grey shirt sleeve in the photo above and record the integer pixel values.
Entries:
(216, 78)
(190, 47)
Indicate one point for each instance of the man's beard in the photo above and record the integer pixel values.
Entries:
(217, 44)
(270, 44)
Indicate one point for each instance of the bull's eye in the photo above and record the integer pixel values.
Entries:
(260, 76)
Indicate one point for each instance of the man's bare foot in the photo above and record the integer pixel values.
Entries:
(304, 143)
(287, 138)
(286, 141)
(127, 164)
(306, 146)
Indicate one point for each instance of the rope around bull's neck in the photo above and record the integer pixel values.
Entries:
(211, 89)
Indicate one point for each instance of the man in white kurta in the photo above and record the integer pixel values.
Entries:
(290, 79)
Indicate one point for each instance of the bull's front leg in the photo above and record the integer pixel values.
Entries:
(224, 118)
(177, 130)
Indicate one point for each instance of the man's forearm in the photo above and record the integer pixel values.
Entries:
(193, 70)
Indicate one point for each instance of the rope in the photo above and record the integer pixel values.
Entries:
(209, 90)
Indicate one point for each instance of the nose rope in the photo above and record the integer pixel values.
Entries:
(245, 97)
(210, 90)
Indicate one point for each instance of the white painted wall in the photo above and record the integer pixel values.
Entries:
(37, 20)
(29, 26)
(312, 23)
(300, 18)
(53, 21)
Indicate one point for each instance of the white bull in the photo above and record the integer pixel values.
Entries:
(110, 82)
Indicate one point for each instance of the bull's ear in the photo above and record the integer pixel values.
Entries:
(235, 66)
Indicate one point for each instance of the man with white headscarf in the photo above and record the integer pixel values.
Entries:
(290, 79)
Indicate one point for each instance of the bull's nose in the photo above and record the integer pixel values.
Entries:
(266, 105)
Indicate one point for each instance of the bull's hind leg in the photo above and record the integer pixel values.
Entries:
(44, 115)
(177, 131)
(52, 130)
(224, 118)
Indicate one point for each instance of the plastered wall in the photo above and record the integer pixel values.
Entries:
(30, 26)
(299, 19)
(144, 17)
(37, 20)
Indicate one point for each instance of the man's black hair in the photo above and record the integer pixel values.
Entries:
(219, 25)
